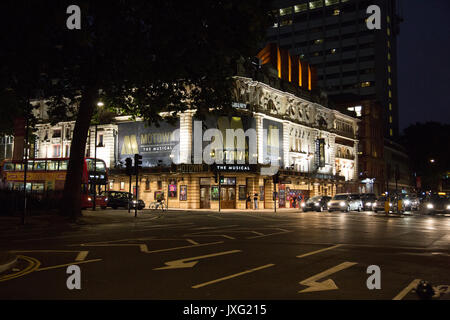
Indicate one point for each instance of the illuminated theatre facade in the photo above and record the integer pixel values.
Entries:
(315, 147)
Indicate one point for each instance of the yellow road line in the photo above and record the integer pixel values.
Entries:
(68, 264)
(81, 256)
(34, 264)
(183, 247)
(232, 276)
(192, 241)
(405, 291)
(319, 251)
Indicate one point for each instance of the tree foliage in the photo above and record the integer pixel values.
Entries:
(139, 57)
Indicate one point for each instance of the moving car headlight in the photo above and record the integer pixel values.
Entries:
(407, 202)
(430, 206)
(317, 204)
(342, 204)
(369, 204)
(303, 204)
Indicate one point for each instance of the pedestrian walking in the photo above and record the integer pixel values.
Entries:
(255, 199)
(249, 201)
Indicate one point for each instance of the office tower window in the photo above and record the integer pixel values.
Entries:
(390, 106)
(390, 81)
(391, 133)
(390, 119)
(389, 69)
(301, 7)
(316, 4)
(390, 94)
(388, 31)
(285, 11)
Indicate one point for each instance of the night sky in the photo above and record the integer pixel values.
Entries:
(424, 62)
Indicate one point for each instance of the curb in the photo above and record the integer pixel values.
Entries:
(7, 261)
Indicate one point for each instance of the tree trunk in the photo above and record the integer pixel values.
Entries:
(71, 205)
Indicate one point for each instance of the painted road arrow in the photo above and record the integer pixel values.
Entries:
(327, 284)
(182, 263)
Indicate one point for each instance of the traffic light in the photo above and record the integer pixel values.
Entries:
(137, 163)
(276, 178)
(129, 166)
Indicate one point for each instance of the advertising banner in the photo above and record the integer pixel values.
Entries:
(273, 142)
(155, 144)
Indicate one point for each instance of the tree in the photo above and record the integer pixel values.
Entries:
(138, 57)
(429, 153)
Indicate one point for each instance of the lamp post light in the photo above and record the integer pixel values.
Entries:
(94, 200)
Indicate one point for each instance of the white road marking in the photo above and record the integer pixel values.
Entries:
(270, 234)
(182, 263)
(329, 284)
(405, 291)
(319, 251)
(232, 276)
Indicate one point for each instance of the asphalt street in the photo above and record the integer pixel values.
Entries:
(238, 255)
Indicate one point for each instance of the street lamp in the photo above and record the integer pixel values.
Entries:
(99, 104)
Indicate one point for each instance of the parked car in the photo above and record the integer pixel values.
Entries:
(368, 200)
(345, 202)
(319, 203)
(436, 204)
(119, 199)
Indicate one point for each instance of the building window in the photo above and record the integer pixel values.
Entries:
(56, 133)
(389, 69)
(67, 154)
(147, 184)
(56, 151)
(390, 81)
(390, 106)
(67, 133)
(391, 133)
(390, 119)
(390, 94)
(100, 141)
(111, 185)
(122, 185)
(159, 185)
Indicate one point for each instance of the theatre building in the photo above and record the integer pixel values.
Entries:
(275, 145)
(312, 148)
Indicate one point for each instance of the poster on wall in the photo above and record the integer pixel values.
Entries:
(215, 193)
(155, 144)
(242, 192)
(172, 190)
(183, 193)
(320, 153)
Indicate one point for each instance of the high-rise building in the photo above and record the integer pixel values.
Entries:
(353, 62)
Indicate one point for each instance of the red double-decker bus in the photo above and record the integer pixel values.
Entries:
(46, 176)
